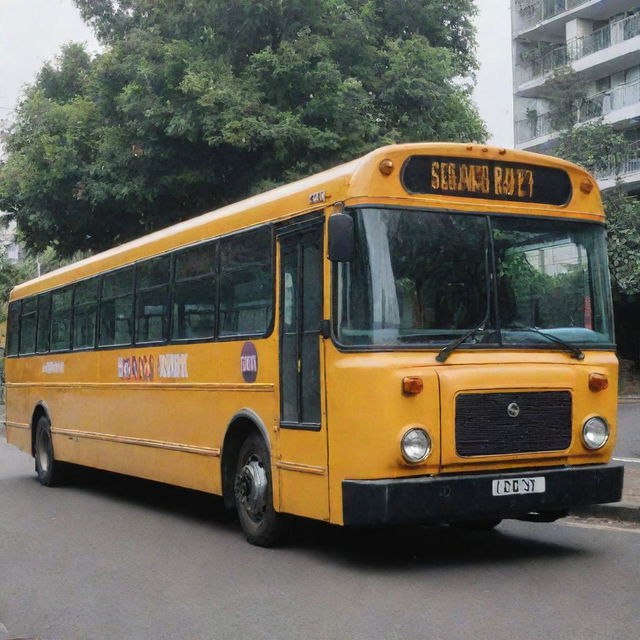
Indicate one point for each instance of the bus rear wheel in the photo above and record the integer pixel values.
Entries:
(50, 472)
(253, 492)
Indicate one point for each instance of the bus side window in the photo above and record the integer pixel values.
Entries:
(246, 283)
(61, 319)
(116, 308)
(85, 311)
(44, 322)
(28, 321)
(152, 299)
(13, 328)
(194, 293)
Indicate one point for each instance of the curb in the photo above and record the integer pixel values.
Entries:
(622, 511)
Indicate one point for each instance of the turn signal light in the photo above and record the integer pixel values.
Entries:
(586, 186)
(598, 381)
(386, 167)
(412, 385)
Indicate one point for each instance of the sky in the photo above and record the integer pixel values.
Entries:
(32, 31)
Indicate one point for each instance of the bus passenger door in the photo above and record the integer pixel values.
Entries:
(302, 444)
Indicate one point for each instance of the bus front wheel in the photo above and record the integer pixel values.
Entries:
(50, 471)
(253, 492)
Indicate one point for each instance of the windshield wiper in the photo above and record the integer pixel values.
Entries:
(445, 352)
(571, 348)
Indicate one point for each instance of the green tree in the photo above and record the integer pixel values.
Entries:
(197, 103)
(10, 275)
(598, 147)
(30, 266)
(623, 234)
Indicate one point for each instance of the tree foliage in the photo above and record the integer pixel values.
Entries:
(596, 146)
(566, 96)
(196, 103)
(623, 234)
(30, 266)
(599, 147)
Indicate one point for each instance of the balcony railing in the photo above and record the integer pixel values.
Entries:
(540, 65)
(605, 102)
(622, 169)
(533, 12)
(595, 106)
(534, 127)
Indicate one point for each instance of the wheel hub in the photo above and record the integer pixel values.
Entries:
(251, 488)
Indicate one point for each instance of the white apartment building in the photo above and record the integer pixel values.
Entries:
(600, 40)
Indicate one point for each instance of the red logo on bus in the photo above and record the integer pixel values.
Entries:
(249, 362)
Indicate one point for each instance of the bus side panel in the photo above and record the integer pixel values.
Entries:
(303, 473)
(368, 414)
(172, 467)
(21, 399)
(18, 417)
(166, 425)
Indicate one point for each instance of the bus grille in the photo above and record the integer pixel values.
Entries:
(502, 423)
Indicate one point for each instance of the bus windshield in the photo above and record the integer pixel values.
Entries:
(426, 278)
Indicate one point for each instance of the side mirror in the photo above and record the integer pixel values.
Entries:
(341, 239)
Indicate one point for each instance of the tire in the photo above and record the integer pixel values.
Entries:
(253, 494)
(477, 525)
(50, 472)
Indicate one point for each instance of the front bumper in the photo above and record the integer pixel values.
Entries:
(468, 497)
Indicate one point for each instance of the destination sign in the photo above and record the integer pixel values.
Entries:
(512, 181)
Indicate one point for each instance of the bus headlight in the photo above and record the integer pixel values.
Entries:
(595, 433)
(415, 445)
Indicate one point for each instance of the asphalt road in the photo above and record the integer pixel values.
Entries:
(113, 557)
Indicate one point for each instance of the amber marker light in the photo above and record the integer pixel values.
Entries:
(586, 186)
(412, 385)
(386, 167)
(598, 381)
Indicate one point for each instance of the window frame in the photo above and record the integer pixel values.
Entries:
(136, 292)
(131, 293)
(16, 305)
(67, 349)
(270, 227)
(29, 299)
(98, 278)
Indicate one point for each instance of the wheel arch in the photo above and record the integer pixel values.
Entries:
(243, 423)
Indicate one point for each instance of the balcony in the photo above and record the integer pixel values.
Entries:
(612, 105)
(603, 105)
(534, 12)
(539, 66)
(547, 19)
(626, 173)
(535, 127)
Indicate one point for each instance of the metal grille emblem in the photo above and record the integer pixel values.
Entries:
(513, 410)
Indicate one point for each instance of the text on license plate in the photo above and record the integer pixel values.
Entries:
(518, 486)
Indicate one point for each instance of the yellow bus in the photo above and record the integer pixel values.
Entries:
(422, 335)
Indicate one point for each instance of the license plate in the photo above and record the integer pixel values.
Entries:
(518, 486)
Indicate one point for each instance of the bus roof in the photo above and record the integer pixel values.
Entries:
(354, 182)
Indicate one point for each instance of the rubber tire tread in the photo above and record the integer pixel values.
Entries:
(269, 531)
(57, 472)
